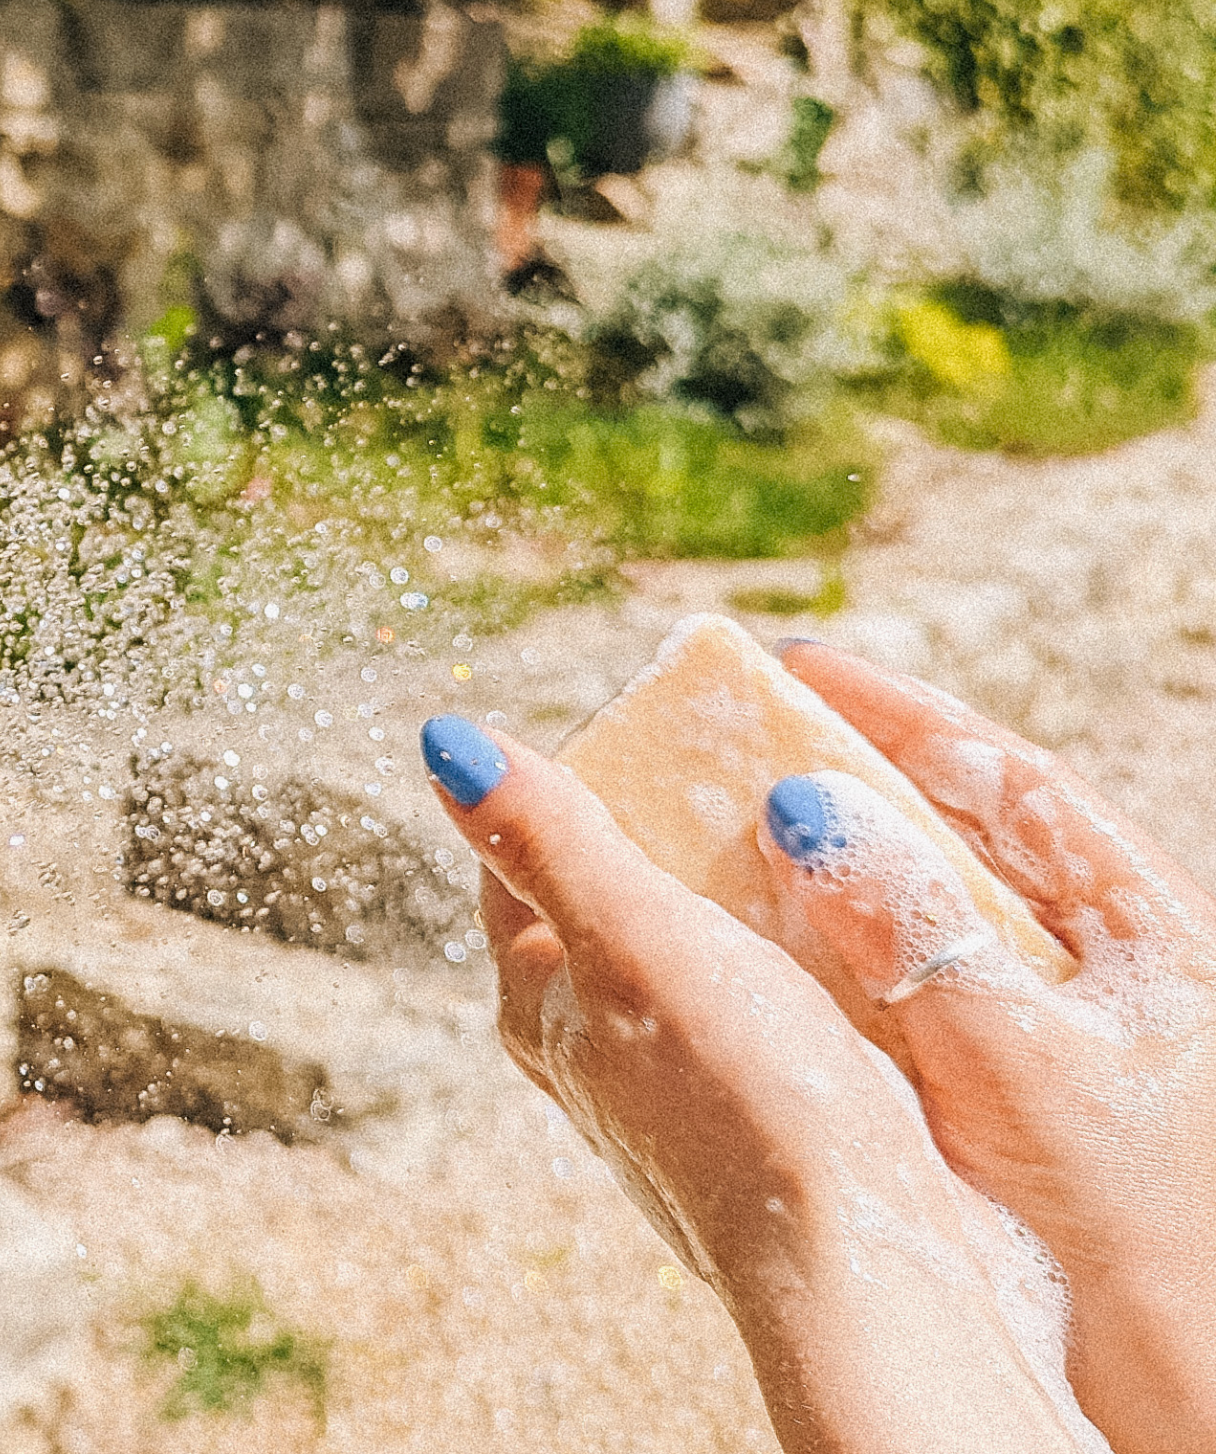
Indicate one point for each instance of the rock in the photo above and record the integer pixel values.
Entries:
(306, 862)
(262, 1028)
(114, 1064)
(315, 163)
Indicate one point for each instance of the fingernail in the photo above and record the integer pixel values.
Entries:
(786, 643)
(803, 821)
(463, 758)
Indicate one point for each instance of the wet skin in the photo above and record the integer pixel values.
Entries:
(1089, 1108)
(777, 1152)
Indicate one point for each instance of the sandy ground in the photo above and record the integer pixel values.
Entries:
(480, 1282)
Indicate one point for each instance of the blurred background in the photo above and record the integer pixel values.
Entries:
(364, 361)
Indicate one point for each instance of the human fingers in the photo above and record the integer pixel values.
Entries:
(527, 954)
(555, 847)
(749, 1122)
(1092, 878)
(879, 890)
(908, 932)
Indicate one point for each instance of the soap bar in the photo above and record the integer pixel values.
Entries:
(684, 759)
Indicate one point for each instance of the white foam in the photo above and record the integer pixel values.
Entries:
(911, 881)
(1030, 1288)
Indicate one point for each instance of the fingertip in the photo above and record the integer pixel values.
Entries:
(784, 645)
(803, 820)
(462, 759)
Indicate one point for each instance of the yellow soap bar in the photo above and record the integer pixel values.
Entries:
(684, 759)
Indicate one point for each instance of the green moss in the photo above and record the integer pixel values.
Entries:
(664, 483)
(223, 1368)
(776, 601)
(995, 372)
(799, 164)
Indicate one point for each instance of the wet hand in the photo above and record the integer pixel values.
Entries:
(884, 1303)
(1088, 1108)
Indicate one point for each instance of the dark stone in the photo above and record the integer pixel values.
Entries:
(253, 855)
(114, 1064)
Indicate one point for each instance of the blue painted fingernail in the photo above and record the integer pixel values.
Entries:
(803, 821)
(787, 643)
(463, 758)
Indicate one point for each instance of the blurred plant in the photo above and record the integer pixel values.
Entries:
(780, 601)
(1133, 78)
(970, 356)
(253, 501)
(730, 308)
(567, 102)
(663, 483)
(799, 161)
(985, 369)
(222, 1367)
(1051, 236)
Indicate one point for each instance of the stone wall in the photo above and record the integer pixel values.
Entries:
(277, 166)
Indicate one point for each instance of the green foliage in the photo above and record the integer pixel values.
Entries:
(752, 326)
(627, 47)
(776, 601)
(560, 101)
(1134, 78)
(1070, 380)
(168, 335)
(522, 442)
(812, 122)
(223, 1368)
(662, 483)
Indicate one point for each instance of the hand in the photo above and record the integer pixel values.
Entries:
(1089, 1109)
(884, 1303)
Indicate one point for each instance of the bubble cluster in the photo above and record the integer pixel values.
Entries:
(290, 858)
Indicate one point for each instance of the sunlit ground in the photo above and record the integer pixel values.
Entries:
(268, 1179)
